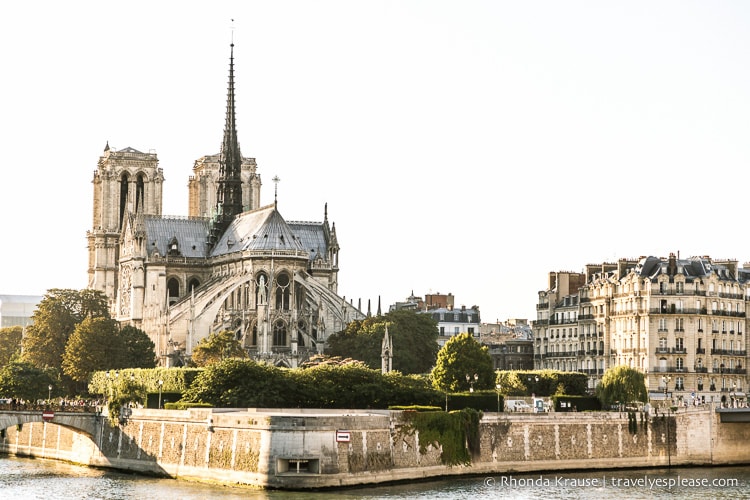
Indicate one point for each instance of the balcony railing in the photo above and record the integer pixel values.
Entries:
(728, 352)
(669, 369)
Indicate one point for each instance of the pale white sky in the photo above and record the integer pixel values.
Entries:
(464, 147)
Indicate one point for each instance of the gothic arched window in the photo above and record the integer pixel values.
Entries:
(140, 189)
(283, 292)
(279, 333)
(124, 185)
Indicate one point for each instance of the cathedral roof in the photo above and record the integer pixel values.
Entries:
(261, 229)
(188, 232)
(312, 237)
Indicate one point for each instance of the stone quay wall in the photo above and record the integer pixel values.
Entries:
(303, 449)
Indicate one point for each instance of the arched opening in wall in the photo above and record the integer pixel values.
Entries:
(261, 289)
(283, 292)
(193, 284)
(140, 189)
(254, 337)
(173, 290)
(279, 333)
(124, 183)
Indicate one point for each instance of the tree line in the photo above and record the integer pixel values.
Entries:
(73, 337)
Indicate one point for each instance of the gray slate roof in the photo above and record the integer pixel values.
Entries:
(261, 229)
(311, 237)
(266, 229)
(190, 233)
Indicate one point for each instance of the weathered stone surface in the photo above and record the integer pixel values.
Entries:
(300, 449)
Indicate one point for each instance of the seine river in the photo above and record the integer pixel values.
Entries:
(22, 478)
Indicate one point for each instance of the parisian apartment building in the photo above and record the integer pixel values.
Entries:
(451, 320)
(682, 322)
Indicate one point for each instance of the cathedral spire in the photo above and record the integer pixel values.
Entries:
(229, 191)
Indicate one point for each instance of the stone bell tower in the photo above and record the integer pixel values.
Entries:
(125, 182)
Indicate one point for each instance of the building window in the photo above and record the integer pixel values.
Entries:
(279, 333)
(679, 384)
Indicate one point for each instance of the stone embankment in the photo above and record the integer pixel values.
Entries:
(301, 449)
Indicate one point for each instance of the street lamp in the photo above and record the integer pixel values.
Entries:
(471, 382)
(49, 394)
(499, 388)
(160, 382)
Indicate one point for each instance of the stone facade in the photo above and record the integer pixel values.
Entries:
(231, 264)
(300, 449)
(682, 322)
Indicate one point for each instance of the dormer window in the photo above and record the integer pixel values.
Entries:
(174, 247)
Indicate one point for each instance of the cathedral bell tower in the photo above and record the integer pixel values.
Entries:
(125, 182)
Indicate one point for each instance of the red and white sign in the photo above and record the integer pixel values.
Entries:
(343, 436)
(48, 415)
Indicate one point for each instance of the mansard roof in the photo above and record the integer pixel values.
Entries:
(189, 233)
(692, 268)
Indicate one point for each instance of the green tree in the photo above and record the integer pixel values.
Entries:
(10, 343)
(459, 357)
(140, 351)
(414, 338)
(100, 344)
(624, 384)
(22, 380)
(359, 340)
(217, 347)
(54, 321)
(240, 383)
(94, 345)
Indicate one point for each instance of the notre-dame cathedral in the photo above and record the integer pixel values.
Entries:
(230, 264)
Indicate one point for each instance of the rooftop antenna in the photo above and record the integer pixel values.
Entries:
(276, 181)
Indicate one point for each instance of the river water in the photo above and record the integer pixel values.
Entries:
(22, 478)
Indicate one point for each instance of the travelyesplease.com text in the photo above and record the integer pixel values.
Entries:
(646, 481)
